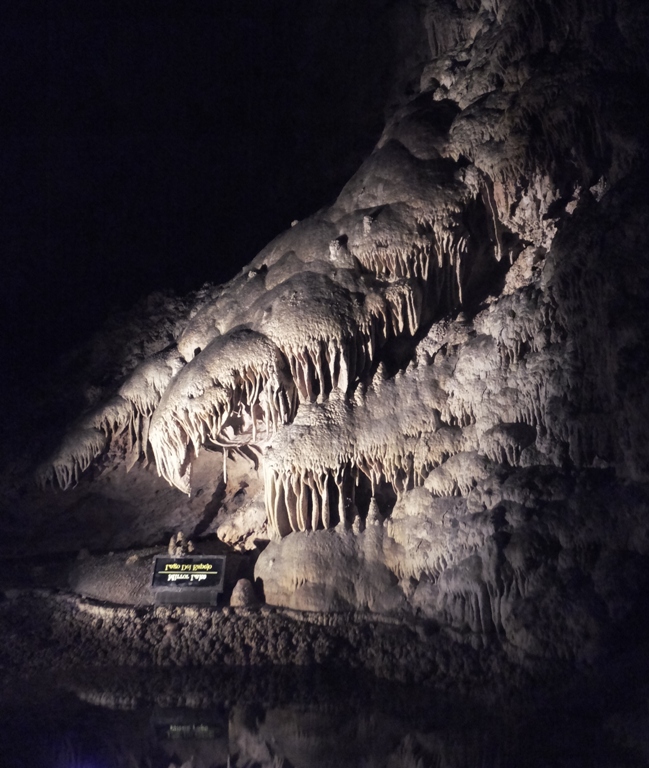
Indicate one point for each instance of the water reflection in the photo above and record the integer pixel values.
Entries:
(303, 719)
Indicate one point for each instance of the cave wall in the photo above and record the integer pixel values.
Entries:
(436, 386)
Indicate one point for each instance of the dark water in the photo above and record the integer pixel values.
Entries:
(309, 718)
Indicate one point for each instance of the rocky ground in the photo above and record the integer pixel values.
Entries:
(53, 629)
(46, 629)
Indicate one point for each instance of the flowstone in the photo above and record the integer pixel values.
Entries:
(440, 380)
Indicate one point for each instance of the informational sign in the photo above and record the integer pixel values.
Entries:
(187, 732)
(188, 579)
(190, 725)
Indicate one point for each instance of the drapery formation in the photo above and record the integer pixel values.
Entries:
(409, 334)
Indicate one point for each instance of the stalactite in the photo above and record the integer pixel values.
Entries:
(75, 454)
(391, 261)
(233, 376)
(128, 411)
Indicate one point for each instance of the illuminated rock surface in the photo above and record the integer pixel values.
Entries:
(430, 396)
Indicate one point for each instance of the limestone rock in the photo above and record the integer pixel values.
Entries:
(440, 381)
(122, 578)
(243, 595)
(179, 546)
(329, 571)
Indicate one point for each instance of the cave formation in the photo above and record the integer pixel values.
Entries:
(436, 386)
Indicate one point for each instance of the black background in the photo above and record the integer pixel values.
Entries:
(151, 145)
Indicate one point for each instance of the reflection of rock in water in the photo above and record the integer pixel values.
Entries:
(313, 737)
(306, 719)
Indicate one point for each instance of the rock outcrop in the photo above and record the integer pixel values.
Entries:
(439, 383)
